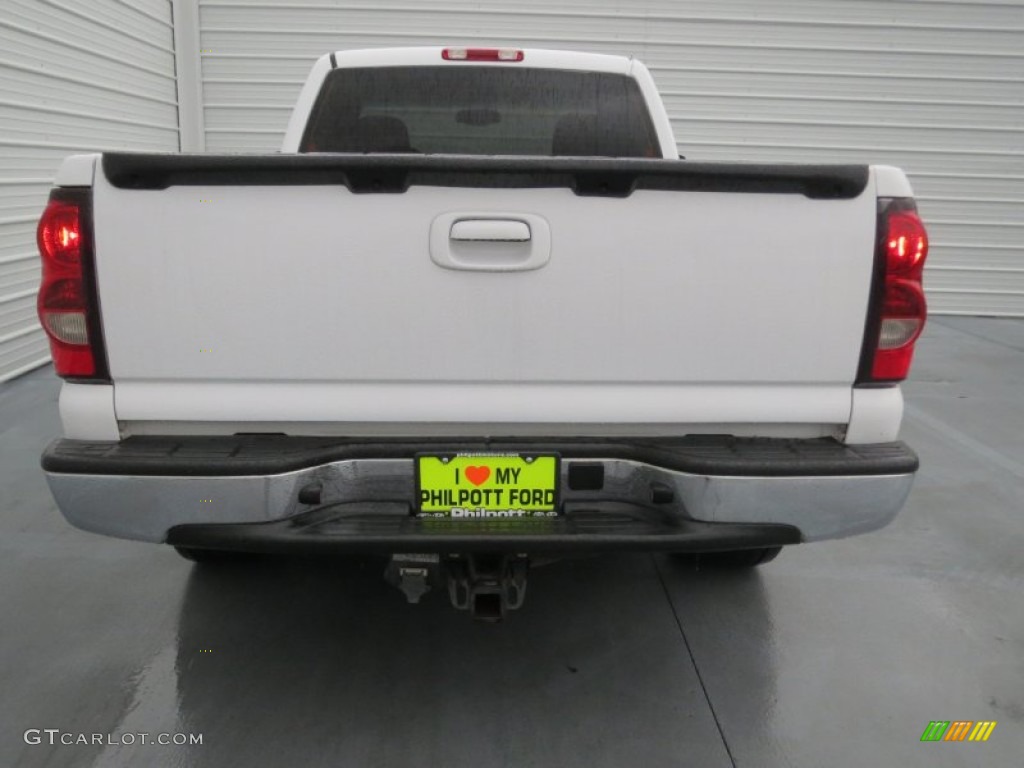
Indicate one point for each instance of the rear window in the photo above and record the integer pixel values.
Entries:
(480, 110)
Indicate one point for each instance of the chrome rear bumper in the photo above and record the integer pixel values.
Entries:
(155, 489)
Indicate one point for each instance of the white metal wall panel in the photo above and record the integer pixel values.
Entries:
(935, 87)
(74, 77)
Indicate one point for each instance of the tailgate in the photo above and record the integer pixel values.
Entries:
(315, 292)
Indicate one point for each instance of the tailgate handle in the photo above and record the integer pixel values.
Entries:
(490, 241)
(491, 230)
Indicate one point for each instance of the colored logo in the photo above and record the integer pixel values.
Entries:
(958, 730)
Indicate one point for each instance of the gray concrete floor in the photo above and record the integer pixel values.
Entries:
(836, 654)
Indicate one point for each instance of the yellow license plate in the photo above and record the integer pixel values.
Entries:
(473, 485)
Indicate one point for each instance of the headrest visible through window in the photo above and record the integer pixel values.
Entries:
(373, 133)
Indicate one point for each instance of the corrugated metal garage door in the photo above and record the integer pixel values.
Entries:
(74, 77)
(934, 87)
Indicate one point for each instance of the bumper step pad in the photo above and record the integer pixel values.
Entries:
(389, 527)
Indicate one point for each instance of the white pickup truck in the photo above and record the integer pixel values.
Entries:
(478, 309)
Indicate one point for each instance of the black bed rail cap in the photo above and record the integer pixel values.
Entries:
(395, 173)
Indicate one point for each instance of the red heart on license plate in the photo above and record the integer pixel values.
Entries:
(478, 475)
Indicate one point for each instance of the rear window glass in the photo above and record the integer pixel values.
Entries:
(480, 110)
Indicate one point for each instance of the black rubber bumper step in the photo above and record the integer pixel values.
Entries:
(388, 527)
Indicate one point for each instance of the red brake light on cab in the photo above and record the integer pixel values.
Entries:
(482, 54)
(898, 308)
(67, 303)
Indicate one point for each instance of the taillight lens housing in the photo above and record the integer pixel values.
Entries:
(898, 308)
(67, 303)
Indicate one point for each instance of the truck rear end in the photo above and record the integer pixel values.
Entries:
(479, 311)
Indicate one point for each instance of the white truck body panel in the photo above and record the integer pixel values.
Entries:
(652, 308)
(87, 412)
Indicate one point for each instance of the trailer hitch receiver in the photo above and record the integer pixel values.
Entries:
(487, 586)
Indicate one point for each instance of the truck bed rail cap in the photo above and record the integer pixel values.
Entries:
(395, 173)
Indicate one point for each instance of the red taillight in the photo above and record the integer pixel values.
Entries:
(903, 315)
(63, 301)
(60, 232)
(899, 309)
(482, 54)
(906, 243)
